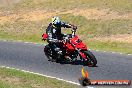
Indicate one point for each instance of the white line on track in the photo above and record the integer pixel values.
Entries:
(40, 74)
(110, 52)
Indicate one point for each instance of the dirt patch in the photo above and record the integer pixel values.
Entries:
(24, 16)
(100, 14)
(14, 80)
(36, 15)
(40, 15)
(8, 2)
(18, 81)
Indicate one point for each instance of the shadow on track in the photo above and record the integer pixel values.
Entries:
(76, 62)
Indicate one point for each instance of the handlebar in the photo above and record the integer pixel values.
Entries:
(73, 32)
(67, 36)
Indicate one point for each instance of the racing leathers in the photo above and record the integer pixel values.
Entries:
(55, 35)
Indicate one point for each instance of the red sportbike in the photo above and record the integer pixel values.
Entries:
(72, 47)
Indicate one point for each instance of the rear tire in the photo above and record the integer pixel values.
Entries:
(51, 55)
(91, 59)
(48, 52)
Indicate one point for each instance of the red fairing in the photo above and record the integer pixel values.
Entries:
(69, 46)
(44, 36)
(78, 43)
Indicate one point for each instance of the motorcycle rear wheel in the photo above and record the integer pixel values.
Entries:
(47, 51)
(91, 59)
(50, 54)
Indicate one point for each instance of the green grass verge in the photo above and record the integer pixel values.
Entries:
(110, 46)
(18, 79)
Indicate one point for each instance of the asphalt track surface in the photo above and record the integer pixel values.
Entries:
(31, 57)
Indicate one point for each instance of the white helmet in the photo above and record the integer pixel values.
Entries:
(56, 20)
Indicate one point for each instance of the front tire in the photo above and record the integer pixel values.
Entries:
(91, 59)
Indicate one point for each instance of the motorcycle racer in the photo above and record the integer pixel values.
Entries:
(54, 33)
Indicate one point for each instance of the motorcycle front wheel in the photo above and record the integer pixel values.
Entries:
(91, 59)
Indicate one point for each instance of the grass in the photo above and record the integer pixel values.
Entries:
(110, 46)
(21, 30)
(18, 79)
(98, 26)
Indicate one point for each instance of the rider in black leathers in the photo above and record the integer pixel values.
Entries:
(55, 35)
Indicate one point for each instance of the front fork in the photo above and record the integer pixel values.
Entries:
(81, 54)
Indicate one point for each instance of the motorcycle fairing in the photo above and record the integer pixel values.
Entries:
(78, 43)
